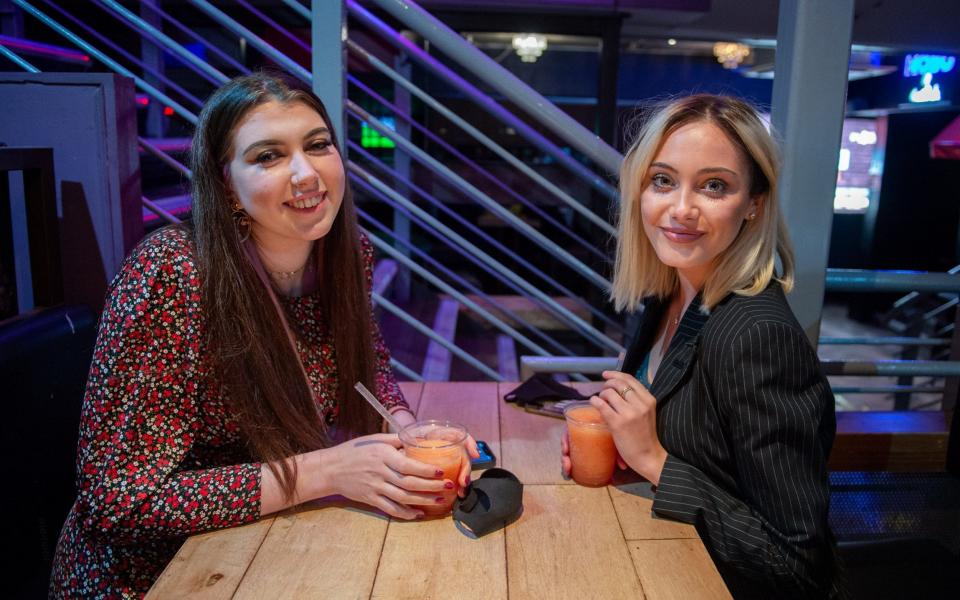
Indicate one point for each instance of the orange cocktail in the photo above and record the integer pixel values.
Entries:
(437, 443)
(592, 451)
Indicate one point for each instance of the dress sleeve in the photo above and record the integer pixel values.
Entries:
(143, 414)
(775, 404)
(388, 391)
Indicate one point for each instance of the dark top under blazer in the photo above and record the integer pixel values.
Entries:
(747, 419)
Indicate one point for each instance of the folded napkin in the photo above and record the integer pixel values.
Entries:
(541, 388)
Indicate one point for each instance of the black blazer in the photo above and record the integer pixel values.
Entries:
(747, 419)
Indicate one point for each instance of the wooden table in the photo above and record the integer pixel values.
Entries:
(570, 542)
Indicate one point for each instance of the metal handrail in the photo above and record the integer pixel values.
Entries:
(436, 281)
(508, 84)
(493, 180)
(159, 211)
(17, 60)
(166, 158)
(483, 199)
(106, 60)
(493, 268)
(254, 40)
(106, 41)
(425, 258)
(165, 42)
(194, 36)
(482, 100)
(276, 26)
(891, 368)
(838, 368)
(857, 280)
(478, 135)
(579, 324)
(883, 341)
(563, 290)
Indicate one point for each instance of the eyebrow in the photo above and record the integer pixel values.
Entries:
(263, 143)
(704, 170)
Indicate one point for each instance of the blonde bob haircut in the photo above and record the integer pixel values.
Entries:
(748, 264)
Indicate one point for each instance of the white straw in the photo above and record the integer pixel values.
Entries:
(369, 397)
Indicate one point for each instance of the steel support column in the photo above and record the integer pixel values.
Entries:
(809, 100)
(328, 30)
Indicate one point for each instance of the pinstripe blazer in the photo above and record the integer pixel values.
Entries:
(747, 419)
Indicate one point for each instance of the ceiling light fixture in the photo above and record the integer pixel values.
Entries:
(730, 54)
(529, 46)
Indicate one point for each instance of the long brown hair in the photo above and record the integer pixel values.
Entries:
(249, 338)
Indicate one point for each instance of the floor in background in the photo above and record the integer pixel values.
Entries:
(835, 323)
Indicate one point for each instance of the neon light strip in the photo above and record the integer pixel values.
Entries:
(44, 49)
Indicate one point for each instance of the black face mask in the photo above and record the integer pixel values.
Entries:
(542, 388)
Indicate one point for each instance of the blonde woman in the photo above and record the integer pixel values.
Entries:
(721, 403)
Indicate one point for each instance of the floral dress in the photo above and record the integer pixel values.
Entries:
(160, 455)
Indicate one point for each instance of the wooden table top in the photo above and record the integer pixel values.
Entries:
(570, 541)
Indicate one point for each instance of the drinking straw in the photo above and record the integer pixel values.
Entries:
(369, 397)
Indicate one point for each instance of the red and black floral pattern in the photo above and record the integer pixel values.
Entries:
(160, 455)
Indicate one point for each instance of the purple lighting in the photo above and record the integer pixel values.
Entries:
(48, 50)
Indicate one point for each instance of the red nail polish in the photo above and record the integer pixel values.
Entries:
(419, 516)
(448, 485)
(440, 500)
(438, 473)
(468, 480)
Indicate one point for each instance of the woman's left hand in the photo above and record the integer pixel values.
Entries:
(470, 446)
(630, 411)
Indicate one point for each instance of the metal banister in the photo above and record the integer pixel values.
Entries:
(579, 324)
(436, 281)
(482, 100)
(106, 60)
(106, 41)
(857, 280)
(17, 60)
(425, 258)
(486, 201)
(165, 42)
(481, 137)
(508, 84)
(474, 229)
(493, 180)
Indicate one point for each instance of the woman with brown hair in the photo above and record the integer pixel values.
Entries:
(221, 385)
(720, 403)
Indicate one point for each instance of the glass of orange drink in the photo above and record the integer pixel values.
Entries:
(592, 451)
(441, 444)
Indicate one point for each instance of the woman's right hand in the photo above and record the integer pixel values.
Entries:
(374, 470)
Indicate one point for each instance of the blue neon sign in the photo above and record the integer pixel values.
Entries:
(915, 65)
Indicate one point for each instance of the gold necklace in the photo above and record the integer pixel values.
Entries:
(284, 275)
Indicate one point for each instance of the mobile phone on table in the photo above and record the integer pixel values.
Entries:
(486, 458)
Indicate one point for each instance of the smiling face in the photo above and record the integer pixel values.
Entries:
(695, 197)
(287, 175)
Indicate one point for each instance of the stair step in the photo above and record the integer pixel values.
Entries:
(528, 309)
(436, 362)
(507, 358)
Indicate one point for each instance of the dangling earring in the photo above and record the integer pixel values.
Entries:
(241, 221)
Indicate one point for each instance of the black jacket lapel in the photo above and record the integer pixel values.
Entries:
(681, 353)
(643, 338)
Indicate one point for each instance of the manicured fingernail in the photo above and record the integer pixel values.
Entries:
(468, 480)
(440, 500)
(448, 485)
(438, 473)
